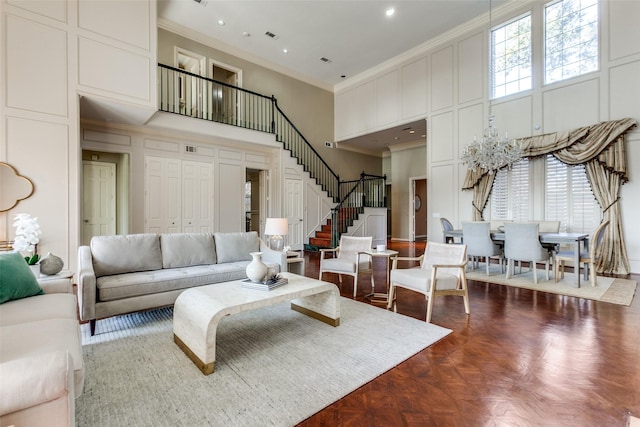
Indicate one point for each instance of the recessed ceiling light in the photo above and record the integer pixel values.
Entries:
(221, 22)
(246, 34)
(390, 12)
(285, 50)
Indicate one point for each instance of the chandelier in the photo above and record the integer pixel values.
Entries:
(492, 152)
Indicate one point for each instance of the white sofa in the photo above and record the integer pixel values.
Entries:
(127, 273)
(41, 363)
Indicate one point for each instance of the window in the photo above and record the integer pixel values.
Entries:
(510, 193)
(569, 198)
(571, 39)
(511, 57)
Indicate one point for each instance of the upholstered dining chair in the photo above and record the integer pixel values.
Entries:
(349, 258)
(588, 258)
(441, 272)
(477, 236)
(522, 243)
(447, 226)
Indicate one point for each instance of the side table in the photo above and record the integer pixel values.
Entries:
(379, 297)
(295, 265)
(57, 283)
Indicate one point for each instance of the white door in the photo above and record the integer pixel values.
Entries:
(163, 184)
(98, 199)
(197, 197)
(294, 212)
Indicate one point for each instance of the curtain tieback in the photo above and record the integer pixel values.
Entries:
(479, 210)
(611, 204)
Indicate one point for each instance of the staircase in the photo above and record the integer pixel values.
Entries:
(223, 103)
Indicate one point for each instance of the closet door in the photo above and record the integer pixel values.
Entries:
(163, 205)
(197, 197)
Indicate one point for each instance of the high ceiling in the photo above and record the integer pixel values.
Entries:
(353, 35)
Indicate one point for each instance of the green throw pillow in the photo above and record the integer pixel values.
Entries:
(16, 279)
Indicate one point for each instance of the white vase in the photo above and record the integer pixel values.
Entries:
(256, 270)
(35, 269)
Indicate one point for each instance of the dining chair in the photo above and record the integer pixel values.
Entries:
(477, 236)
(549, 227)
(441, 272)
(447, 226)
(588, 257)
(349, 258)
(522, 243)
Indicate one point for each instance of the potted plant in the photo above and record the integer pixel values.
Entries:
(27, 237)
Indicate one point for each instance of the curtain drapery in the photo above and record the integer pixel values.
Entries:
(601, 148)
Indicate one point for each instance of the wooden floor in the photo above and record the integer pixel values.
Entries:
(522, 358)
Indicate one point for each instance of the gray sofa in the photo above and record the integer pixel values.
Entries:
(127, 273)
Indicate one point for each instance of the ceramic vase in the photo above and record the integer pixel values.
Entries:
(256, 270)
(35, 269)
(51, 264)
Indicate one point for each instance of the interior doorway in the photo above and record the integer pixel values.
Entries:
(255, 199)
(225, 101)
(418, 193)
(105, 194)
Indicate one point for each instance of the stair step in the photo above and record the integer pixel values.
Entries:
(323, 234)
(321, 243)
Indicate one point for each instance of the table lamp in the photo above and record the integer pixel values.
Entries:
(276, 229)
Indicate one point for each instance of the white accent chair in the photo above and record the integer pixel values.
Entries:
(441, 272)
(349, 259)
(589, 257)
(477, 236)
(522, 243)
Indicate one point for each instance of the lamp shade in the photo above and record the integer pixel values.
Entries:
(276, 227)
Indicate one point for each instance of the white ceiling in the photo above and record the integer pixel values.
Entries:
(354, 34)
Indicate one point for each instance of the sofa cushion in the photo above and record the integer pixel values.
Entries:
(187, 249)
(232, 247)
(39, 307)
(124, 254)
(16, 279)
(44, 336)
(130, 285)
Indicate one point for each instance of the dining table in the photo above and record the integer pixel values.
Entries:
(576, 240)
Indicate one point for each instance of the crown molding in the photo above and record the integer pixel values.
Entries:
(214, 43)
(407, 146)
(481, 22)
(359, 150)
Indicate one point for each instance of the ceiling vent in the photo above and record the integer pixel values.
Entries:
(270, 34)
(325, 60)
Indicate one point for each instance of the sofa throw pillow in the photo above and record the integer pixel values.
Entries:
(16, 279)
(187, 249)
(125, 253)
(232, 247)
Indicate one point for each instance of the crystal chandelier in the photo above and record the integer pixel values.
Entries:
(492, 152)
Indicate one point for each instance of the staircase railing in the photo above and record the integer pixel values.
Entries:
(367, 192)
(188, 94)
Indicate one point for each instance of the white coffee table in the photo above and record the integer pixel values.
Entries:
(198, 311)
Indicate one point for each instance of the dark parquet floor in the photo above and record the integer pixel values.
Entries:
(522, 358)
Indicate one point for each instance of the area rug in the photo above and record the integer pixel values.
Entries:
(609, 289)
(274, 366)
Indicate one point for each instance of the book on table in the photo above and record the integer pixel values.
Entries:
(265, 285)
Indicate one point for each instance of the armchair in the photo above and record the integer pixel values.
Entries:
(441, 272)
(349, 259)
